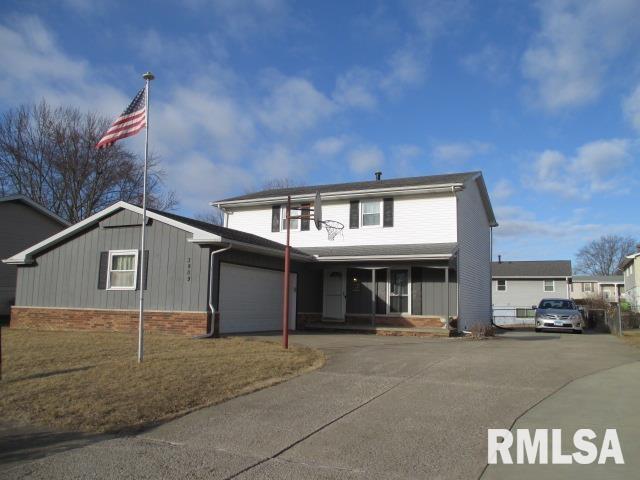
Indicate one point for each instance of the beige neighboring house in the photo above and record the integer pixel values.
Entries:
(631, 273)
(607, 287)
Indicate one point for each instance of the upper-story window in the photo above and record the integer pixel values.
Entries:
(587, 287)
(549, 286)
(295, 223)
(370, 213)
(501, 285)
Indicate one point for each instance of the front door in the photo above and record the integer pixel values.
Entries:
(334, 293)
(399, 291)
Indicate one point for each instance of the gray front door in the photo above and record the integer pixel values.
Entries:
(334, 293)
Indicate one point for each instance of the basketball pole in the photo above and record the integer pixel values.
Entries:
(287, 267)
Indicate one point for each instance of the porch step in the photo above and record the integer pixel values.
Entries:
(389, 331)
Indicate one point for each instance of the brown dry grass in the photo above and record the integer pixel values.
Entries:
(92, 382)
(632, 337)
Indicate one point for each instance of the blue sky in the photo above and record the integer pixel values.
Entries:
(543, 97)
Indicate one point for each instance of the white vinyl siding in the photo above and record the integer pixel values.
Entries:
(524, 292)
(417, 219)
(474, 259)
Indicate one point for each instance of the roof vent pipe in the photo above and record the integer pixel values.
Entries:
(499, 258)
(378, 176)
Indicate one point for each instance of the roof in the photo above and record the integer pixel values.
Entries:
(383, 252)
(431, 180)
(598, 278)
(35, 206)
(203, 232)
(531, 268)
(628, 260)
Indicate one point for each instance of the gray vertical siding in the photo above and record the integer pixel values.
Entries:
(67, 275)
(20, 227)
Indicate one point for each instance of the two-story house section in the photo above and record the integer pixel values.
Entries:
(414, 251)
(631, 273)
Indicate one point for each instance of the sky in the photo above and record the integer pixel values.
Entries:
(542, 97)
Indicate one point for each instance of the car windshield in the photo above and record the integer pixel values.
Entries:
(557, 304)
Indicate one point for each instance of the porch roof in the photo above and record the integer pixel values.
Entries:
(413, 251)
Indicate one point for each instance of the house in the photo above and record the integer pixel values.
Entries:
(518, 285)
(413, 253)
(631, 273)
(606, 287)
(24, 222)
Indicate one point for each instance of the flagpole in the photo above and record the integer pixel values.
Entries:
(148, 77)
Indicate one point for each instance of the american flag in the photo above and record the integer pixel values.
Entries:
(130, 122)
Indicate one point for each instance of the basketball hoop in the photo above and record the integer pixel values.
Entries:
(333, 228)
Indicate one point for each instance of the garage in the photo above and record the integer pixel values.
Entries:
(251, 299)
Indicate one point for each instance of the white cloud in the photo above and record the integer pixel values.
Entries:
(490, 62)
(570, 55)
(459, 152)
(406, 69)
(502, 190)
(357, 88)
(293, 105)
(330, 145)
(366, 159)
(631, 107)
(35, 67)
(597, 167)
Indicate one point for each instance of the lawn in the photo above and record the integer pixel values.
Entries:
(91, 382)
(632, 337)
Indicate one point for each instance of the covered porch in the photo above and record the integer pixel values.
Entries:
(387, 294)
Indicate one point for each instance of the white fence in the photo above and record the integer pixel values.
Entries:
(514, 316)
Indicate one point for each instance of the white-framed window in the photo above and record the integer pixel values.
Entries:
(295, 222)
(587, 287)
(123, 269)
(371, 213)
(549, 285)
(501, 285)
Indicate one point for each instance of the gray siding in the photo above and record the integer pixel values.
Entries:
(474, 258)
(434, 292)
(526, 292)
(20, 227)
(67, 275)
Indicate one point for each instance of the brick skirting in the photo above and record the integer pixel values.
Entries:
(41, 318)
(380, 320)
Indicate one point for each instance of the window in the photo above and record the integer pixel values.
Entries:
(501, 285)
(525, 313)
(123, 268)
(549, 286)
(295, 222)
(587, 287)
(371, 213)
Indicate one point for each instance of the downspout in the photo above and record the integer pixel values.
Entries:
(211, 331)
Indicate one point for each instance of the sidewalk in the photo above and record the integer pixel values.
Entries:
(608, 399)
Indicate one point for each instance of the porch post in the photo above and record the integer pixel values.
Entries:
(373, 297)
(446, 282)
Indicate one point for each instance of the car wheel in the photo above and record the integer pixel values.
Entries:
(577, 331)
(538, 330)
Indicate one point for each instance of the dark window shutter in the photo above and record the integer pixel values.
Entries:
(103, 270)
(387, 214)
(354, 214)
(275, 218)
(304, 222)
(146, 270)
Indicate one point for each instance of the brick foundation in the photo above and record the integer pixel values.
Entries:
(178, 323)
(380, 321)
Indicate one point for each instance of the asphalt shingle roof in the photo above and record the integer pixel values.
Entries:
(533, 268)
(382, 250)
(598, 278)
(227, 233)
(368, 185)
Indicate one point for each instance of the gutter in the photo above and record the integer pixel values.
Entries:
(340, 195)
(211, 332)
(336, 258)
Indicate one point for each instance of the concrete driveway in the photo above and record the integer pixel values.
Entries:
(382, 407)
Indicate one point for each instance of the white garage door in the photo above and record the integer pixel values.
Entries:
(251, 299)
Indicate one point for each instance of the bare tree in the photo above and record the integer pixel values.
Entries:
(211, 216)
(276, 183)
(49, 155)
(604, 255)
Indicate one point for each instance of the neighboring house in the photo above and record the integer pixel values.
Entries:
(606, 287)
(631, 273)
(519, 285)
(414, 252)
(24, 223)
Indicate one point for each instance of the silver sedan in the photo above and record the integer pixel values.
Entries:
(558, 314)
